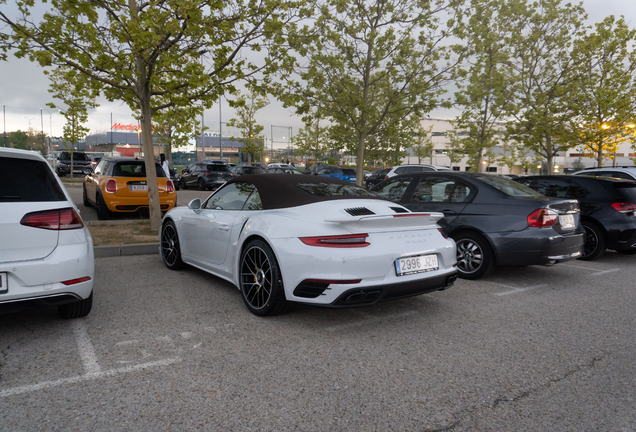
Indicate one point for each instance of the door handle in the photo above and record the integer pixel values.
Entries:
(224, 227)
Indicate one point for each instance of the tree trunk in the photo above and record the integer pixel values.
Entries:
(599, 154)
(360, 164)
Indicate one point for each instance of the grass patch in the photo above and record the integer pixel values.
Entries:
(118, 234)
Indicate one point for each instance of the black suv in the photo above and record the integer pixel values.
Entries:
(206, 175)
(80, 162)
(378, 176)
(607, 209)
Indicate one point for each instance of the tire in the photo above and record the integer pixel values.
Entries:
(201, 185)
(102, 210)
(84, 197)
(475, 258)
(78, 309)
(170, 247)
(177, 185)
(594, 245)
(261, 282)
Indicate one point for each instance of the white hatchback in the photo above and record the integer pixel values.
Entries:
(46, 257)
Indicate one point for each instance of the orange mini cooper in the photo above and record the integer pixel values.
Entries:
(118, 184)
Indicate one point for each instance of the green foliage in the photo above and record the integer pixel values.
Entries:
(18, 139)
(606, 96)
(312, 140)
(246, 107)
(173, 127)
(373, 69)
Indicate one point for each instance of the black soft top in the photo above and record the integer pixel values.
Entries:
(283, 190)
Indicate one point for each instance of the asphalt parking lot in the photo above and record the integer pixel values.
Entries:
(526, 349)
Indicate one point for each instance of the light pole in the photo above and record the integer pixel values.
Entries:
(29, 120)
(50, 127)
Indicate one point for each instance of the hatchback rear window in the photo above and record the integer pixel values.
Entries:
(627, 191)
(349, 171)
(134, 169)
(27, 180)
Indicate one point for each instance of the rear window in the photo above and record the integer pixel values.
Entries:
(627, 191)
(76, 156)
(134, 169)
(349, 171)
(218, 168)
(26, 180)
(507, 186)
(334, 189)
(252, 170)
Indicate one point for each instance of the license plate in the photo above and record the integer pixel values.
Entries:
(4, 284)
(566, 221)
(416, 264)
(138, 187)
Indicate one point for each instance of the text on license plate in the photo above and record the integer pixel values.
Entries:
(4, 284)
(567, 221)
(417, 264)
(138, 187)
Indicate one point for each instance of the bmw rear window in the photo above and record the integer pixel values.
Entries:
(334, 189)
(28, 180)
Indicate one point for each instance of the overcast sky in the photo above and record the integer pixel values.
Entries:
(23, 91)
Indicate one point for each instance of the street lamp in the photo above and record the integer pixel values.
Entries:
(50, 127)
(29, 120)
(202, 111)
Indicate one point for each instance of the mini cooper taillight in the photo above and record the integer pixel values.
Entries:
(169, 186)
(339, 241)
(111, 185)
(63, 219)
(542, 218)
(624, 207)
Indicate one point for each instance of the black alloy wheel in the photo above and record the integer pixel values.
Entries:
(474, 256)
(102, 210)
(594, 245)
(170, 249)
(84, 197)
(261, 280)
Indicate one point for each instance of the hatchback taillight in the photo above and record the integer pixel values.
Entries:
(169, 186)
(63, 219)
(624, 207)
(542, 218)
(339, 241)
(111, 185)
(207, 173)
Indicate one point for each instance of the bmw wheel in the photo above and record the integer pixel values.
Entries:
(594, 245)
(261, 281)
(170, 249)
(474, 256)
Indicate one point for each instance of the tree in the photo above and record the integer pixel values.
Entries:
(18, 139)
(375, 67)
(312, 140)
(543, 74)
(246, 107)
(485, 91)
(149, 54)
(424, 148)
(71, 88)
(606, 96)
(173, 128)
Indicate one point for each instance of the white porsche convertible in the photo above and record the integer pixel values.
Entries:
(285, 239)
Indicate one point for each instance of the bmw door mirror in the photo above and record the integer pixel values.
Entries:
(195, 204)
(88, 171)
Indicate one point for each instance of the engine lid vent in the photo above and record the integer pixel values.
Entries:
(359, 211)
(399, 210)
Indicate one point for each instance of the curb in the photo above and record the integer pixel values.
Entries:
(126, 250)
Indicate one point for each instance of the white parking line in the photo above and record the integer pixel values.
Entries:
(86, 350)
(80, 378)
(514, 289)
(599, 271)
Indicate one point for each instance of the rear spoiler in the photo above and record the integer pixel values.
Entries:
(401, 220)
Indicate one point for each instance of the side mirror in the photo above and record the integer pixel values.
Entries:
(195, 204)
(88, 171)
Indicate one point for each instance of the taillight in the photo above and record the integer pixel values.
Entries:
(111, 185)
(63, 219)
(76, 281)
(339, 241)
(169, 186)
(207, 173)
(542, 218)
(624, 207)
(441, 231)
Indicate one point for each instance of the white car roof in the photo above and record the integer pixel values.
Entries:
(21, 154)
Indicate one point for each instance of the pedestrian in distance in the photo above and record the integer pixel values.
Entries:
(164, 164)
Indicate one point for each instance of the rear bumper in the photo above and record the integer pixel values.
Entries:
(132, 204)
(536, 246)
(621, 232)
